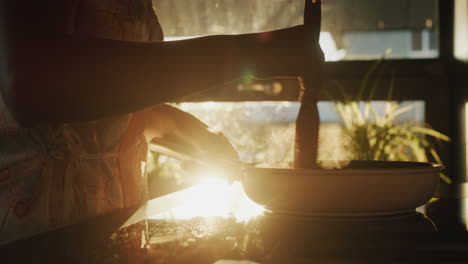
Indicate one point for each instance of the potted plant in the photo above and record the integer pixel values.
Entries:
(377, 136)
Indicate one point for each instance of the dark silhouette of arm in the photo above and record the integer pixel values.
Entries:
(57, 77)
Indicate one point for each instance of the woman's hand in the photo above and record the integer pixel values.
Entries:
(167, 124)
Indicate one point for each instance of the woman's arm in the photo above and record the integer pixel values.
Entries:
(59, 78)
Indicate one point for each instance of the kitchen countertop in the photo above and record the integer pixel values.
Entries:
(161, 231)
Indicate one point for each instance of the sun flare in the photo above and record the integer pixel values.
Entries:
(214, 197)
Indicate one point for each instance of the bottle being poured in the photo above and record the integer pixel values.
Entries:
(307, 123)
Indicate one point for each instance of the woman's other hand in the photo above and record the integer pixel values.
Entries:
(169, 124)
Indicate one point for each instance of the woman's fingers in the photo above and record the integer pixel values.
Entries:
(164, 120)
(216, 147)
(185, 130)
(178, 116)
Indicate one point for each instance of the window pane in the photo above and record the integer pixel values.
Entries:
(264, 131)
(461, 30)
(466, 140)
(351, 30)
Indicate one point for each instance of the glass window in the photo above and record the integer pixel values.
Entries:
(263, 132)
(351, 30)
(466, 139)
(461, 30)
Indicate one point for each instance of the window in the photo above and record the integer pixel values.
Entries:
(263, 132)
(354, 34)
(466, 139)
(461, 30)
(351, 30)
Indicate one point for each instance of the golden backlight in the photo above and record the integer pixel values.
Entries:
(213, 196)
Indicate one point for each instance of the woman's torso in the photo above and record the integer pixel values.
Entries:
(53, 175)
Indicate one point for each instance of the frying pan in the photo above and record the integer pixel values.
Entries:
(362, 188)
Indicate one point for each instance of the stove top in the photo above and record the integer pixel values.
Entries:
(273, 238)
(266, 238)
(407, 222)
(295, 238)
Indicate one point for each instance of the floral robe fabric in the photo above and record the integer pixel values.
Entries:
(55, 175)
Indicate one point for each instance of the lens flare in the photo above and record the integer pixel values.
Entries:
(213, 197)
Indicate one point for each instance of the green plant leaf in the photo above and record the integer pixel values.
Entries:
(367, 109)
(357, 115)
(418, 151)
(365, 80)
(376, 137)
(430, 132)
(378, 120)
(445, 178)
(347, 121)
(375, 81)
(399, 111)
(342, 90)
(435, 155)
(391, 87)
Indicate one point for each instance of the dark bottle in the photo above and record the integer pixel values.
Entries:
(307, 129)
(307, 123)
